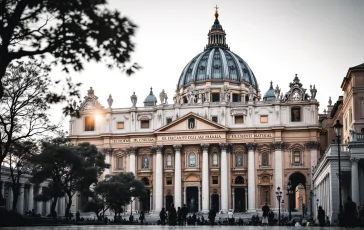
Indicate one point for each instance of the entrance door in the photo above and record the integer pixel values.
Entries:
(239, 200)
(169, 201)
(145, 201)
(215, 201)
(192, 199)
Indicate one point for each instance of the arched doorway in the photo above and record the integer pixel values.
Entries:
(215, 202)
(239, 199)
(169, 201)
(192, 199)
(298, 181)
(145, 201)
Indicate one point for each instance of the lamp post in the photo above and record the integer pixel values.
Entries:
(338, 129)
(279, 196)
(289, 193)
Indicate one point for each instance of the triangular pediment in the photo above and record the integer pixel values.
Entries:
(191, 122)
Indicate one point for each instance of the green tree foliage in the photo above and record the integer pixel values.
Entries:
(72, 31)
(50, 193)
(72, 168)
(118, 191)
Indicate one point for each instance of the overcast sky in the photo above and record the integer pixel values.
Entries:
(317, 39)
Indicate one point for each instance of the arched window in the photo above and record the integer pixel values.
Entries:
(145, 181)
(215, 159)
(265, 159)
(120, 163)
(169, 160)
(239, 160)
(192, 159)
(145, 162)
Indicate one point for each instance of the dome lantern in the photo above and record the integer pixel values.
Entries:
(216, 36)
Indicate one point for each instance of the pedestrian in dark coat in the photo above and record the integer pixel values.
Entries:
(350, 213)
(212, 215)
(162, 216)
(321, 216)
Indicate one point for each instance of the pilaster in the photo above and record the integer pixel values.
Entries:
(21, 199)
(224, 177)
(159, 179)
(177, 176)
(251, 177)
(278, 166)
(205, 178)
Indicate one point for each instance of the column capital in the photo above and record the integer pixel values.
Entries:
(177, 147)
(205, 146)
(251, 145)
(108, 151)
(159, 148)
(132, 150)
(278, 145)
(312, 145)
(354, 160)
(153, 149)
(224, 146)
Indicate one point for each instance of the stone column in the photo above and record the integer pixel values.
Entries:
(48, 208)
(10, 195)
(31, 198)
(21, 199)
(107, 161)
(278, 167)
(159, 179)
(39, 203)
(177, 176)
(132, 165)
(224, 177)
(251, 177)
(354, 180)
(205, 178)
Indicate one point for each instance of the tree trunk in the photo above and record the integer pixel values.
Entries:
(69, 203)
(15, 190)
(53, 207)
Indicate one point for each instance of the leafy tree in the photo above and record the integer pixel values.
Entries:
(18, 165)
(51, 193)
(118, 190)
(73, 168)
(72, 31)
(97, 204)
(23, 110)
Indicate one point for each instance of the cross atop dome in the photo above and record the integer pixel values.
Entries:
(216, 12)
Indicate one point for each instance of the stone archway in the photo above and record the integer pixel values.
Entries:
(298, 181)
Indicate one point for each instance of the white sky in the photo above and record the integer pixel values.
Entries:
(317, 39)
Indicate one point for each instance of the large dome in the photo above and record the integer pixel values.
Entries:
(217, 64)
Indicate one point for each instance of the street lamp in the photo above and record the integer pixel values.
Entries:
(279, 196)
(289, 193)
(338, 129)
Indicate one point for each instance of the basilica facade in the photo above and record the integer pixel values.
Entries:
(219, 145)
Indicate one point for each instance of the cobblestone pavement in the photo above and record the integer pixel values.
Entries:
(155, 227)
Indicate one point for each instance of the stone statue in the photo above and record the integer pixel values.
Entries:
(207, 95)
(163, 97)
(110, 101)
(191, 96)
(330, 102)
(199, 97)
(176, 98)
(227, 96)
(223, 93)
(313, 91)
(281, 97)
(90, 92)
(134, 99)
(251, 93)
(277, 91)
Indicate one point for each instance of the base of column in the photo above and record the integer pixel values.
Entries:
(205, 211)
(251, 210)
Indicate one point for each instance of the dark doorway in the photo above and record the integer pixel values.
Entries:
(145, 201)
(296, 179)
(239, 199)
(215, 202)
(169, 201)
(192, 199)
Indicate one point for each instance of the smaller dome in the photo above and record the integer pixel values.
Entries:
(269, 95)
(151, 100)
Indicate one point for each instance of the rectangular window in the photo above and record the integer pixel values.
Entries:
(89, 123)
(263, 118)
(297, 157)
(214, 118)
(121, 125)
(215, 180)
(169, 180)
(144, 124)
(236, 97)
(239, 119)
(215, 97)
(296, 114)
(169, 120)
(120, 163)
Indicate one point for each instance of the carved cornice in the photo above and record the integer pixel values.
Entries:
(177, 147)
(205, 147)
(312, 145)
(251, 145)
(354, 160)
(278, 145)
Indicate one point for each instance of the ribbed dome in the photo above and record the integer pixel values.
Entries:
(269, 95)
(217, 63)
(151, 100)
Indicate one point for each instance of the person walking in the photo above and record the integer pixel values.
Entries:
(179, 216)
(350, 213)
(321, 216)
(265, 210)
(141, 217)
(231, 217)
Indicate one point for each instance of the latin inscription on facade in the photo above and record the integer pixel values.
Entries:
(249, 135)
(192, 137)
(134, 140)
